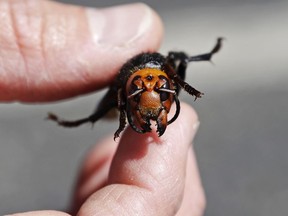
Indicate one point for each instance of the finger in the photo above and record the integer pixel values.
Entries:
(95, 171)
(193, 203)
(51, 51)
(147, 172)
(41, 213)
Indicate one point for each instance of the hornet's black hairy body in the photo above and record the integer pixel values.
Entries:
(144, 90)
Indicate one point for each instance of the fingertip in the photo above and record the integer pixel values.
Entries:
(144, 168)
(156, 163)
(136, 149)
(124, 26)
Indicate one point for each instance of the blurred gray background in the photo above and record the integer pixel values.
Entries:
(242, 144)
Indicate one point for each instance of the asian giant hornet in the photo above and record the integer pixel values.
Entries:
(145, 89)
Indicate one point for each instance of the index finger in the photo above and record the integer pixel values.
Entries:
(147, 175)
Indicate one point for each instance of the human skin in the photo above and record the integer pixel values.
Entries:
(52, 51)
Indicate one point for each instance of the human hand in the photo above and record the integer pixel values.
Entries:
(50, 51)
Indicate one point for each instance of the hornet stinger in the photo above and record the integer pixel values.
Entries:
(145, 89)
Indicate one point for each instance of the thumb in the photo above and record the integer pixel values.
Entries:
(50, 51)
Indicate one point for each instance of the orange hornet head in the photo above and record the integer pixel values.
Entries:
(150, 94)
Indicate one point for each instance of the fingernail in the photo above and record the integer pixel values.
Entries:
(119, 25)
